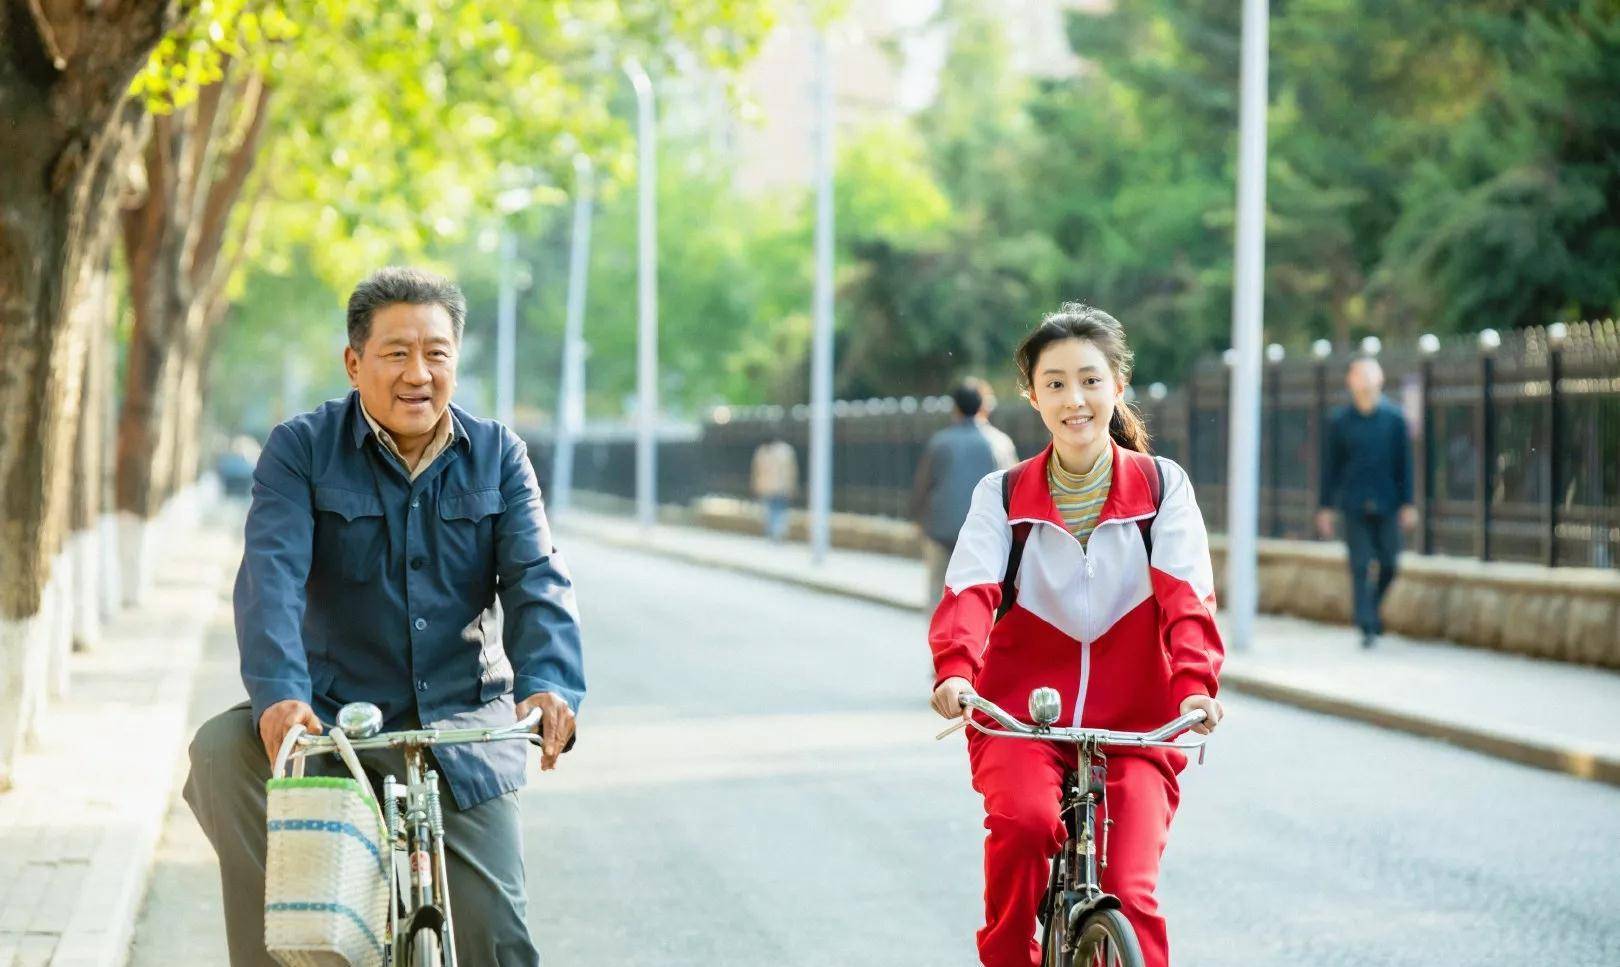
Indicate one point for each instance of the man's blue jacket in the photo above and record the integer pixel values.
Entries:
(1367, 461)
(436, 599)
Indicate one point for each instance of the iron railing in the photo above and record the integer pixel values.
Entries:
(1516, 444)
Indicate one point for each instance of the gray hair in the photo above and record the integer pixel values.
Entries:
(396, 284)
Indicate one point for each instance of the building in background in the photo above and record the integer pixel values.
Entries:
(887, 55)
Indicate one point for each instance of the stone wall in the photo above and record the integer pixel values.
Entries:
(1568, 613)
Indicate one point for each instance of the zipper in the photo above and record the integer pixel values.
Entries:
(1085, 644)
(1090, 570)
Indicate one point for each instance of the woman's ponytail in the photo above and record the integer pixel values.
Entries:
(1127, 427)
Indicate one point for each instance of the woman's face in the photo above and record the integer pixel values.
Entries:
(1075, 391)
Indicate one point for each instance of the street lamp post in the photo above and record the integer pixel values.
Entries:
(571, 388)
(647, 297)
(821, 354)
(1243, 445)
(506, 329)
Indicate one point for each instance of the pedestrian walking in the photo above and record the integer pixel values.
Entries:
(775, 479)
(1367, 481)
(955, 459)
(1112, 604)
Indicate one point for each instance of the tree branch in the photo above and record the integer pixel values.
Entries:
(47, 35)
(223, 195)
(196, 174)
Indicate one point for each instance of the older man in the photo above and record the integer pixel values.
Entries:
(1367, 478)
(396, 553)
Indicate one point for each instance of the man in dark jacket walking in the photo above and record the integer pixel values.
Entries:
(1367, 478)
(953, 463)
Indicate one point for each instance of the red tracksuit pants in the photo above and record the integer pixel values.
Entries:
(1020, 782)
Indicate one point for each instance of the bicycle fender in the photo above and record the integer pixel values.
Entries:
(1084, 908)
(429, 917)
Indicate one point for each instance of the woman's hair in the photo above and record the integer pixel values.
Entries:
(1075, 320)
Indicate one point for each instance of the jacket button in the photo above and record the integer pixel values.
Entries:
(415, 501)
(421, 623)
(421, 685)
(416, 563)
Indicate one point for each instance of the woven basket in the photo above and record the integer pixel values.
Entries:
(327, 874)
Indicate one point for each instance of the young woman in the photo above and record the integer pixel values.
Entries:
(1129, 643)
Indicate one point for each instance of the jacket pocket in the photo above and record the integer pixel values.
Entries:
(473, 506)
(467, 539)
(356, 533)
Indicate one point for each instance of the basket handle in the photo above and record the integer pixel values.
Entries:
(344, 749)
(279, 769)
(346, 752)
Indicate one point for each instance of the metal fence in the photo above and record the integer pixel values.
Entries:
(1516, 445)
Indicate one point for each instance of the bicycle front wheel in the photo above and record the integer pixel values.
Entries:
(1106, 940)
(425, 949)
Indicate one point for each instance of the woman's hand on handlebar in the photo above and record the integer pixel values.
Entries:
(1212, 712)
(279, 719)
(947, 700)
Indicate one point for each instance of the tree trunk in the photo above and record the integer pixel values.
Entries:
(197, 164)
(90, 494)
(64, 70)
(153, 234)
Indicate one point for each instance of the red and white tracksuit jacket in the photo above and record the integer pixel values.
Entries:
(1122, 639)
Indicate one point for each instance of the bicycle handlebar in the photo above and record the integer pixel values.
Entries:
(1015, 729)
(308, 745)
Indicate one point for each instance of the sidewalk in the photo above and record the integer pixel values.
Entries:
(1544, 714)
(78, 831)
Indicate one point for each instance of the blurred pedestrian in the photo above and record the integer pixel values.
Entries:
(775, 477)
(1367, 479)
(954, 461)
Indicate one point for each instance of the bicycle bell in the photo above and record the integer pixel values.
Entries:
(1045, 704)
(360, 720)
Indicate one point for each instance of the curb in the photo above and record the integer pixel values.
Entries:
(1579, 763)
(97, 810)
(102, 926)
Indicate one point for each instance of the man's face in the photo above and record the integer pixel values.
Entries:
(1364, 378)
(406, 372)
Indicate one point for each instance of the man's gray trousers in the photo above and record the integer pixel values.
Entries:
(483, 846)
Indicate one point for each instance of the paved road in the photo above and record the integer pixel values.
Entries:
(756, 783)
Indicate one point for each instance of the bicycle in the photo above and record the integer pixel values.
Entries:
(424, 929)
(1081, 926)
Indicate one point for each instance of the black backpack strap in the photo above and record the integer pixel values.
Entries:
(1156, 488)
(1015, 553)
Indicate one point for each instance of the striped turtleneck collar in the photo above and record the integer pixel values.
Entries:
(1079, 497)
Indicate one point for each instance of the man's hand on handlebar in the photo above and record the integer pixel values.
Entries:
(556, 725)
(1212, 712)
(279, 719)
(947, 700)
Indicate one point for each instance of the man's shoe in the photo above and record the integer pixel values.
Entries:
(1368, 639)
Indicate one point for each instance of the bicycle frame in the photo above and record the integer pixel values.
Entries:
(417, 829)
(1076, 884)
(420, 834)
(1074, 889)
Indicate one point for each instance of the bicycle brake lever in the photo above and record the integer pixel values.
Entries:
(960, 724)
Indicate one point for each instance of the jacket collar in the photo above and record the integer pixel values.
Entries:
(1130, 495)
(359, 429)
